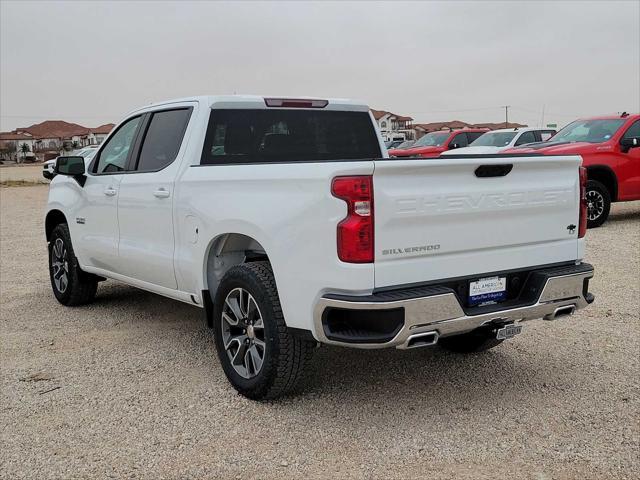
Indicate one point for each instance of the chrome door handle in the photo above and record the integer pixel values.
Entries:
(161, 193)
(110, 191)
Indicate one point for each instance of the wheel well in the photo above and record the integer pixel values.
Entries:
(54, 218)
(226, 251)
(605, 176)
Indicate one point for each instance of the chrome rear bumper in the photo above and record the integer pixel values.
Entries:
(439, 311)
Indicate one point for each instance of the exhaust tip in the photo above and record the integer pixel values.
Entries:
(561, 312)
(422, 340)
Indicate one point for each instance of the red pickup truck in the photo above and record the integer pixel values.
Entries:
(433, 144)
(610, 150)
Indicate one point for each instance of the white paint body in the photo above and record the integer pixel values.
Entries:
(162, 244)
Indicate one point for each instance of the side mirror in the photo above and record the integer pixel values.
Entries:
(71, 166)
(454, 145)
(629, 143)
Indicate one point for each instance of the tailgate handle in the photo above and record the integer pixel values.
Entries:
(484, 171)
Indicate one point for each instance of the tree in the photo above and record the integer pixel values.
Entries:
(8, 150)
(24, 149)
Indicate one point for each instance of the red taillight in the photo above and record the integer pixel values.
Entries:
(582, 228)
(355, 232)
(295, 103)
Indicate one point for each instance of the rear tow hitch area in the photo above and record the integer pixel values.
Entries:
(508, 331)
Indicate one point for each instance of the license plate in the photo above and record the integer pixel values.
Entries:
(508, 332)
(486, 290)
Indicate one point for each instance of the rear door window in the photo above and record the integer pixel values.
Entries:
(272, 136)
(162, 139)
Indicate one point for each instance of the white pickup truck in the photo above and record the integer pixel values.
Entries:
(286, 222)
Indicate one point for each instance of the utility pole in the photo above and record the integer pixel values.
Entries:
(506, 116)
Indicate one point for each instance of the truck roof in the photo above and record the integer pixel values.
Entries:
(610, 116)
(520, 129)
(258, 102)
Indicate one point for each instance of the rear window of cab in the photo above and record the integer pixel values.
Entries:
(276, 136)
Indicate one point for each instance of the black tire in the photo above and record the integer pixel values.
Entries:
(598, 203)
(284, 355)
(476, 341)
(80, 287)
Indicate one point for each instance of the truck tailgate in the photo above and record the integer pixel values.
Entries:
(436, 219)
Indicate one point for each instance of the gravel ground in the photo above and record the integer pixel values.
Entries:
(27, 173)
(129, 387)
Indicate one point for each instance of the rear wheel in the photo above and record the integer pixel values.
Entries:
(476, 341)
(598, 203)
(71, 286)
(259, 356)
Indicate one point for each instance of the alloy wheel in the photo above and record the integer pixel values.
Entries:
(60, 265)
(243, 333)
(595, 204)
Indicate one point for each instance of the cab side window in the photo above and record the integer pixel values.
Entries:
(526, 137)
(114, 154)
(546, 134)
(460, 139)
(633, 131)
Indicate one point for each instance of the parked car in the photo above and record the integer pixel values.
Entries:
(48, 167)
(406, 144)
(609, 149)
(433, 144)
(496, 141)
(262, 211)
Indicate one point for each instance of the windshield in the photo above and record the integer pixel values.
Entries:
(494, 139)
(591, 131)
(86, 152)
(433, 139)
(405, 145)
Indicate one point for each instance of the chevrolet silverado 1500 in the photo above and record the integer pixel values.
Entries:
(286, 222)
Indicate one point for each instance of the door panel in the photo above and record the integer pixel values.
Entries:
(629, 167)
(97, 217)
(145, 211)
(145, 204)
(97, 222)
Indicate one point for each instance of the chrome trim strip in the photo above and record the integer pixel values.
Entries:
(443, 314)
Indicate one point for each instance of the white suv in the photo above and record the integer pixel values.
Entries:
(48, 167)
(496, 141)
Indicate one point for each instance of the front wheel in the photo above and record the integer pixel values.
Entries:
(71, 286)
(598, 203)
(259, 356)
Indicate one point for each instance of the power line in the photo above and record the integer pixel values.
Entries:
(454, 111)
(568, 115)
